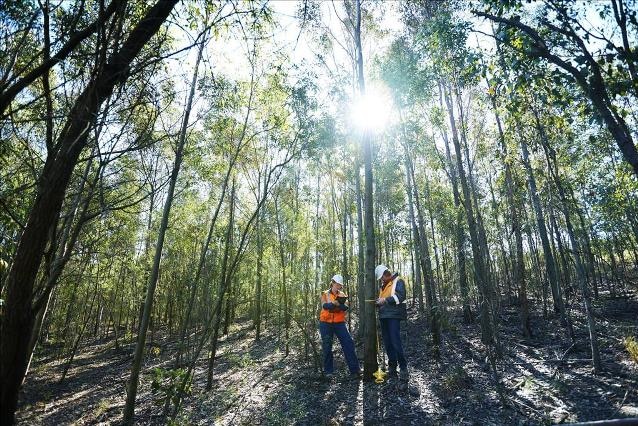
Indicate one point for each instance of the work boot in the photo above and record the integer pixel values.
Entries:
(357, 375)
(404, 375)
(392, 371)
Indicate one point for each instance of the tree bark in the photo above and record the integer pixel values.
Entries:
(488, 336)
(370, 341)
(460, 236)
(18, 321)
(514, 208)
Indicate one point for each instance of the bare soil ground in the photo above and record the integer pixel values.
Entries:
(544, 380)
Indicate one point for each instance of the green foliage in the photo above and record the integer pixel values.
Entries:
(239, 360)
(631, 346)
(455, 381)
(253, 113)
(166, 384)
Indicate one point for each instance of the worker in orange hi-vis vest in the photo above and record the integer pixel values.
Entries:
(392, 310)
(332, 321)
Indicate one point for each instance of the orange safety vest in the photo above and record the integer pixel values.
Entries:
(387, 290)
(331, 315)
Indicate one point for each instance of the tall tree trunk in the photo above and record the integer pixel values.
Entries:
(559, 248)
(150, 291)
(361, 294)
(225, 277)
(550, 263)
(474, 199)
(426, 264)
(460, 231)
(580, 267)
(344, 251)
(488, 335)
(501, 245)
(65, 245)
(418, 289)
(434, 240)
(209, 236)
(260, 256)
(515, 221)
(19, 317)
(370, 342)
(283, 266)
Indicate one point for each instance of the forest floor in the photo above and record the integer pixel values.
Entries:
(544, 380)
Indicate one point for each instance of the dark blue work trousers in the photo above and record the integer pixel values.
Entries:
(391, 332)
(328, 330)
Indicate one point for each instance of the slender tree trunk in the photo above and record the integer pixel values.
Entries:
(474, 199)
(514, 208)
(260, 256)
(370, 341)
(418, 289)
(85, 321)
(426, 265)
(225, 276)
(19, 316)
(204, 251)
(434, 240)
(487, 327)
(150, 291)
(344, 252)
(360, 254)
(504, 258)
(460, 231)
(283, 284)
(580, 267)
(550, 263)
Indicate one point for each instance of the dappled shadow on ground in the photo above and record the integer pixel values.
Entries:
(541, 380)
(459, 386)
(548, 379)
(94, 384)
(94, 389)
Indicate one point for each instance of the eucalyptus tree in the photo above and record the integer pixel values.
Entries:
(25, 61)
(513, 199)
(152, 283)
(111, 70)
(598, 59)
(455, 68)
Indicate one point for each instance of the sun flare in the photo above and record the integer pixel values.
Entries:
(372, 110)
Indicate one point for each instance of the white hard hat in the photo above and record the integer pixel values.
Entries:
(379, 270)
(338, 279)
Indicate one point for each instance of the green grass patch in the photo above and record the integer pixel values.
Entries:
(455, 380)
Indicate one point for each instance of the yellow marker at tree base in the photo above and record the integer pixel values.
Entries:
(379, 375)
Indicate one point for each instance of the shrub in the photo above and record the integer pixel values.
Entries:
(631, 345)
